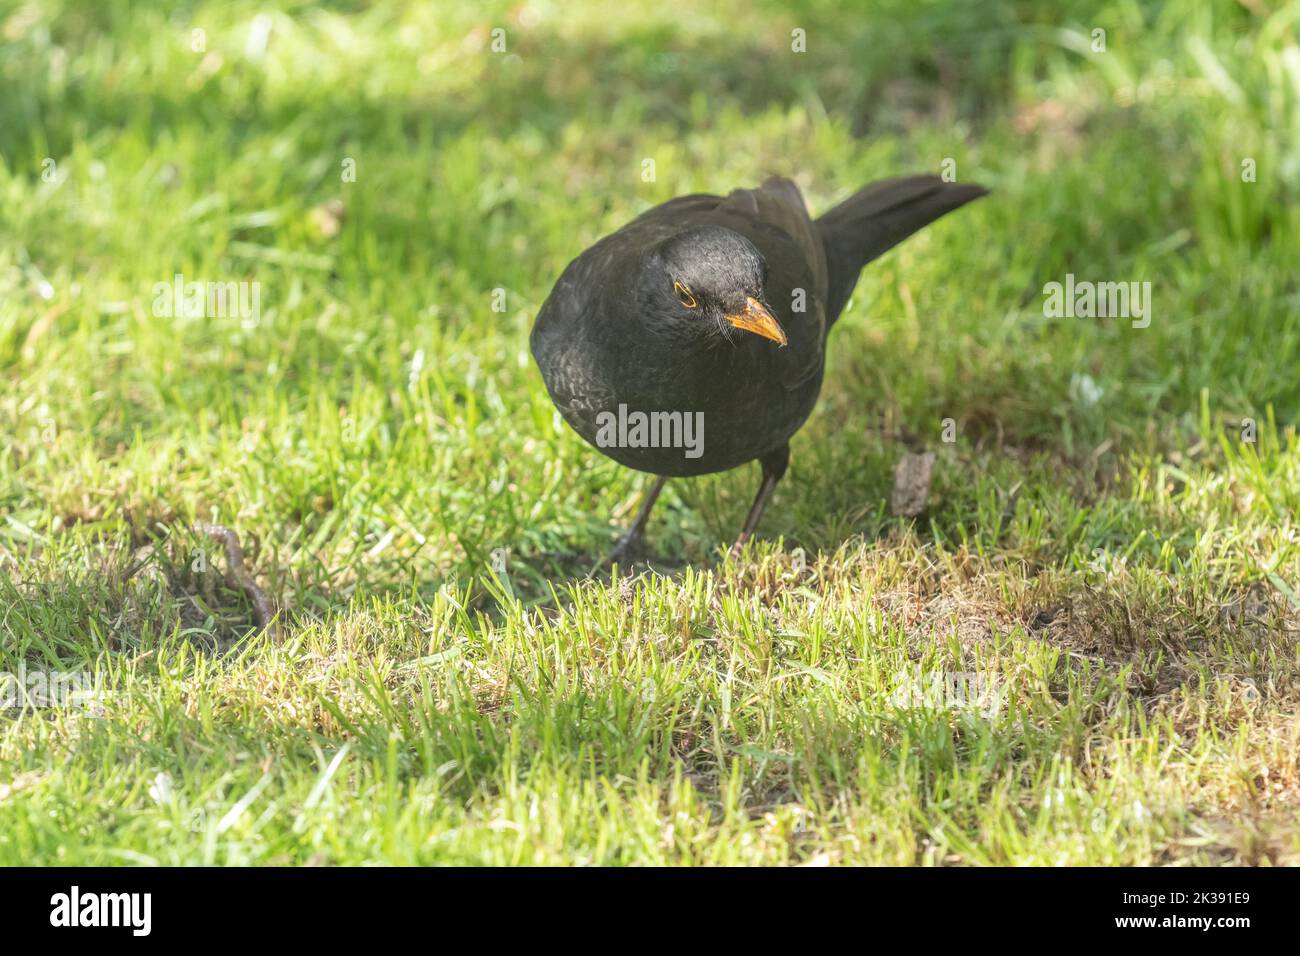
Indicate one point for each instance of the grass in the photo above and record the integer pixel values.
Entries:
(1103, 557)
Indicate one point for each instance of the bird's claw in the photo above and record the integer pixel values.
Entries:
(626, 553)
(738, 548)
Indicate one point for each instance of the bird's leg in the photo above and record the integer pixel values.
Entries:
(755, 513)
(774, 465)
(630, 544)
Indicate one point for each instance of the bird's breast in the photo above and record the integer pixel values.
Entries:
(676, 414)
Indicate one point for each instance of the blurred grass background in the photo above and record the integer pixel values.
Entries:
(381, 431)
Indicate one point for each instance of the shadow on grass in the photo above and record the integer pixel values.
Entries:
(881, 68)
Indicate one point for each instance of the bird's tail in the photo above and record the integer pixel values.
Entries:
(878, 217)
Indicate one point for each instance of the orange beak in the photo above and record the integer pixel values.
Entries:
(758, 320)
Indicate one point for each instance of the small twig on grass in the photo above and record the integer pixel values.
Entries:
(237, 577)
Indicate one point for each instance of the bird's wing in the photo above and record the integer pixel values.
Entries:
(669, 215)
(779, 203)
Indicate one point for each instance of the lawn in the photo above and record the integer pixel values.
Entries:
(1084, 650)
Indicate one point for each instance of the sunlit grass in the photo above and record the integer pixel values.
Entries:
(1118, 565)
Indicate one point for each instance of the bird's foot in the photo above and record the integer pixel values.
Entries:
(737, 549)
(629, 550)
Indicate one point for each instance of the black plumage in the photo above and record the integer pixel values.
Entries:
(721, 306)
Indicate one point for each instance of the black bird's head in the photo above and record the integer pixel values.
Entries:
(708, 280)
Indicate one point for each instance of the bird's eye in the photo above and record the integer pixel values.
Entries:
(684, 294)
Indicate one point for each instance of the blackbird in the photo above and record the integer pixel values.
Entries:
(693, 339)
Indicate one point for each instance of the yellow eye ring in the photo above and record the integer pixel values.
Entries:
(684, 294)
